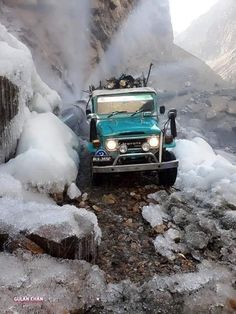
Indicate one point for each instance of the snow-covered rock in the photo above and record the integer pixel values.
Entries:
(16, 64)
(66, 231)
(61, 286)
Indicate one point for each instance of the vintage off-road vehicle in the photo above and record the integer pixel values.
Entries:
(126, 136)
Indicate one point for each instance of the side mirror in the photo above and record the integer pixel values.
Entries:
(93, 130)
(172, 113)
(162, 109)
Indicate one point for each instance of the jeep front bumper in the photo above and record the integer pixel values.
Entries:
(149, 166)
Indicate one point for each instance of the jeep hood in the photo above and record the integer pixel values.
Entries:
(127, 126)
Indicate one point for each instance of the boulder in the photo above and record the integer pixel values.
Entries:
(65, 232)
(42, 284)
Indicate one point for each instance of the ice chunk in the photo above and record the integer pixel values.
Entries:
(166, 244)
(73, 191)
(204, 173)
(47, 155)
(154, 215)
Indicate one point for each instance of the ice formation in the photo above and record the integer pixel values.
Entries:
(17, 65)
(47, 157)
(30, 216)
(154, 215)
(204, 173)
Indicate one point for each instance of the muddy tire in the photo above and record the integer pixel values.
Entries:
(167, 177)
(85, 173)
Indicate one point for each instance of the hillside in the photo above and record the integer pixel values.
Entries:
(212, 38)
(111, 35)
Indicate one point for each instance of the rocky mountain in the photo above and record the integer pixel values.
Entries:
(114, 36)
(212, 38)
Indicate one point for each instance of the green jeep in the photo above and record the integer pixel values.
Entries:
(125, 134)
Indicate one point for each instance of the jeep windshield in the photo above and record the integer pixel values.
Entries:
(125, 104)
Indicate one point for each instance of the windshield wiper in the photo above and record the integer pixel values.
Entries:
(138, 111)
(115, 112)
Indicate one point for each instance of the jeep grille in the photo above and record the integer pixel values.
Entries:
(133, 143)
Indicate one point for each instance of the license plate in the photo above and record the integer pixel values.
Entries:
(102, 158)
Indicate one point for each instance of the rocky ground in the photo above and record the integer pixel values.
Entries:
(181, 261)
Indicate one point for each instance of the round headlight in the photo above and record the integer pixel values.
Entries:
(146, 147)
(123, 148)
(111, 145)
(154, 141)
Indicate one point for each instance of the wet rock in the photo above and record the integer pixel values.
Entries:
(97, 209)
(109, 199)
(23, 243)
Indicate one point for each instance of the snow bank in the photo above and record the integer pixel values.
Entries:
(46, 156)
(204, 173)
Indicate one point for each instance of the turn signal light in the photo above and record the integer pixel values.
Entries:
(96, 143)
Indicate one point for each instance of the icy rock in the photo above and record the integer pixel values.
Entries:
(66, 231)
(194, 238)
(21, 83)
(190, 282)
(160, 196)
(229, 220)
(65, 286)
(73, 191)
(154, 215)
(180, 216)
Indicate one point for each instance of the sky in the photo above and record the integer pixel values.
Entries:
(184, 12)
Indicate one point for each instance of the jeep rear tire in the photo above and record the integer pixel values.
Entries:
(167, 177)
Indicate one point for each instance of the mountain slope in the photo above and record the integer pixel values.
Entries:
(212, 38)
(74, 42)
